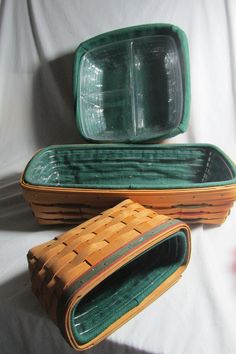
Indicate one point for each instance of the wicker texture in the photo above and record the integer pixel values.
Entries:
(64, 205)
(71, 260)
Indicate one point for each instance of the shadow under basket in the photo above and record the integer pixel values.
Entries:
(97, 276)
(71, 183)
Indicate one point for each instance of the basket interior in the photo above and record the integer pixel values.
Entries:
(131, 89)
(127, 287)
(130, 167)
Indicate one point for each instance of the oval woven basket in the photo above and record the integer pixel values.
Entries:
(95, 277)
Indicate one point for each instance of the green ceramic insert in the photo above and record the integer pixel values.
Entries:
(120, 166)
(133, 84)
(127, 287)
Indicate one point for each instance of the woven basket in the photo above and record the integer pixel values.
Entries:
(71, 183)
(114, 100)
(97, 276)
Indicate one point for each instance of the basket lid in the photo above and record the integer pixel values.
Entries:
(133, 84)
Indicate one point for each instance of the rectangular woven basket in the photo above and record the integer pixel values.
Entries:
(95, 277)
(71, 183)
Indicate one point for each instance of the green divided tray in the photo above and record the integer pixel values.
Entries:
(133, 84)
(123, 166)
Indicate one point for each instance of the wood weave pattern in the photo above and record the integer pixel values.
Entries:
(57, 263)
(53, 205)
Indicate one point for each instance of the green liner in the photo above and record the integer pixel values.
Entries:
(121, 166)
(127, 287)
(133, 84)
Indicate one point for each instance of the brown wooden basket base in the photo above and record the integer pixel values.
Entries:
(53, 205)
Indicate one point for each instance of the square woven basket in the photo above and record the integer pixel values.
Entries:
(133, 84)
(97, 276)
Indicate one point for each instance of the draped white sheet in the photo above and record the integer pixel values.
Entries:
(37, 41)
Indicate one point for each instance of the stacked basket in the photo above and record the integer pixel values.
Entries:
(131, 85)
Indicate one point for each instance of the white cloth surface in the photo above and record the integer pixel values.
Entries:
(37, 41)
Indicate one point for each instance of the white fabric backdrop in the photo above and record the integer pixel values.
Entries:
(37, 41)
